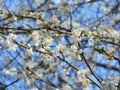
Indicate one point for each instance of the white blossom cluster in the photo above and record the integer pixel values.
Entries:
(82, 78)
(46, 54)
(112, 83)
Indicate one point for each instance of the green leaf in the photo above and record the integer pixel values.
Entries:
(100, 50)
(1, 11)
(28, 32)
(118, 86)
(29, 25)
(83, 32)
(47, 67)
(36, 67)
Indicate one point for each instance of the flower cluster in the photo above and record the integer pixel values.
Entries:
(57, 48)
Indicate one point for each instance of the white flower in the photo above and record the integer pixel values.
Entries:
(11, 37)
(29, 52)
(78, 32)
(54, 20)
(74, 48)
(7, 42)
(67, 87)
(79, 57)
(111, 83)
(63, 7)
(10, 45)
(61, 47)
(47, 41)
(39, 22)
(115, 33)
(39, 74)
(13, 69)
(37, 2)
(65, 24)
(14, 17)
(35, 37)
(29, 81)
(110, 50)
(31, 64)
(82, 78)
(34, 88)
(7, 72)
